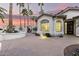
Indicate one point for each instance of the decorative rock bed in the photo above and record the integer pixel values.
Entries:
(72, 50)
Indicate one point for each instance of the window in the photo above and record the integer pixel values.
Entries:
(58, 26)
(44, 25)
(65, 27)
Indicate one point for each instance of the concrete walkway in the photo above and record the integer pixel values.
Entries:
(31, 45)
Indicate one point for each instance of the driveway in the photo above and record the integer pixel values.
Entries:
(32, 45)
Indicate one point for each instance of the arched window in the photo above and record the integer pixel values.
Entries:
(58, 26)
(44, 25)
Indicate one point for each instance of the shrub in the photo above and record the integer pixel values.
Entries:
(37, 34)
(35, 28)
(60, 35)
(15, 31)
(1, 29)
(47, 34)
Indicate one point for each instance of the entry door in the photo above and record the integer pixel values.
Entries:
(70, 27)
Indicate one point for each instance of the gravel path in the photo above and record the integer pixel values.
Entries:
(32, 45)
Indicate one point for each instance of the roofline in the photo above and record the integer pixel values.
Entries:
(58, 16)
(67, 9)
(75, 17)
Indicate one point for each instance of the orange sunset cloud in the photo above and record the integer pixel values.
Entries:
(16, 22)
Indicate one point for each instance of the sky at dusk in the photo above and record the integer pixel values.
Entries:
(35, 8)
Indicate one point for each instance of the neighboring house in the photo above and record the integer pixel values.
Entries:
(63, 22)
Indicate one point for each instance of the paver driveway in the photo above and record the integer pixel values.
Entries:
(31, 45)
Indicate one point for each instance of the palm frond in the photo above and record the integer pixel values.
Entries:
(2, 9)
(30, 12)
(2, 17)
(20, 4)
(24, 12)
(2, 12)
(40, 4)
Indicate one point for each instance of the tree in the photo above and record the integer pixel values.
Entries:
(21, 5)
(2, 12)
(41, 7)
(24, 13)
(30, 12)
(10, 28)
(34, 19)
(10, 14)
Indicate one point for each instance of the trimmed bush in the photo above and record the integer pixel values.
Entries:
(47, 34)
(37, 34)
(1, 29)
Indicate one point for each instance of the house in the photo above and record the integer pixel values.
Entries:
(50, 24)
(61, 23)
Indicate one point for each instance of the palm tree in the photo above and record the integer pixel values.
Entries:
(2, 12)
(21, 5)
(10, 26)
(24, 13)
(41, 7)
(10, 14)
(30, 12)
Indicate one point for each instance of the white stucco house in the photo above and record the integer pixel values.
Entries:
(61, 23)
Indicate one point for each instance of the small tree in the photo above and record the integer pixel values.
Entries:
(34, 18)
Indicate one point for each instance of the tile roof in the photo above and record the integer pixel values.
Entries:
(58, 12)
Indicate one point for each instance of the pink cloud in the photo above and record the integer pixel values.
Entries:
(16, 22)
(62, 6)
